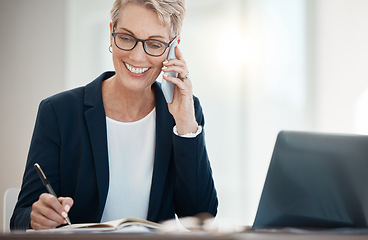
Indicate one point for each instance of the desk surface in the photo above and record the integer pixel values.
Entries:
(242, 236)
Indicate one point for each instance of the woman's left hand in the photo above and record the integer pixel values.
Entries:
(182, 106)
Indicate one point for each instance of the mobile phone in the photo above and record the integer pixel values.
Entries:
(166, 86)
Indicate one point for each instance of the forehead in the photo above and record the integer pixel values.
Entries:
(143, 22)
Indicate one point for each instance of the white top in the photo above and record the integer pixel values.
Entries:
(131, 149)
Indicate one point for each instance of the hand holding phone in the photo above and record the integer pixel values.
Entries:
(168, 87)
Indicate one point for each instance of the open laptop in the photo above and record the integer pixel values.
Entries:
(316, 180)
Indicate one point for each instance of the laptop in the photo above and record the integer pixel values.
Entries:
(316, 180)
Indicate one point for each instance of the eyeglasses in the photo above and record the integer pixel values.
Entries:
(152, 47)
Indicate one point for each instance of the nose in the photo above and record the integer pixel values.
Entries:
(138, 53)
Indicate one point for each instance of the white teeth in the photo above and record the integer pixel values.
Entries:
(135, 70)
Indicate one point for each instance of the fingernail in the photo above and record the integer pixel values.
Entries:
(165, 62)
(67, 208)
(64, 214)
(164, 67)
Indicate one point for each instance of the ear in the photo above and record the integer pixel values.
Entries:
(111, 26)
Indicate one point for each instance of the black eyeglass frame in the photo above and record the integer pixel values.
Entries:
(114, 34)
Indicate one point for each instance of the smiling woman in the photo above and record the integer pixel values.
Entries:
(135, 58)
(114, 148)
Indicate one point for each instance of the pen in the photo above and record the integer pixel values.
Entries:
(47, 184)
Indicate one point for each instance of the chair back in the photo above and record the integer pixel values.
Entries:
(10, 199)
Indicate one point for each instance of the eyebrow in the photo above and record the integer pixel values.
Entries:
(131, 33)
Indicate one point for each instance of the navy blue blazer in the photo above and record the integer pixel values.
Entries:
(70, 143)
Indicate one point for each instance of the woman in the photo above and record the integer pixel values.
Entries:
(114, 148)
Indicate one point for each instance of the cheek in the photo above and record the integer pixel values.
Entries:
(157, 62)
(117, 55)
(156, 67)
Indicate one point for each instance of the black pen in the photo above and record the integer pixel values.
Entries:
(47, 185)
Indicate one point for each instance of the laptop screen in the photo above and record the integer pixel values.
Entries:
(316, 180)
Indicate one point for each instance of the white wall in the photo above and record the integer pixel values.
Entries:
(341, 65)
(258, 66)
(31, 68)
(87, 40)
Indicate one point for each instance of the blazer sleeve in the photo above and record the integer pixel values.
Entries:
(194, 185)
(44, 149)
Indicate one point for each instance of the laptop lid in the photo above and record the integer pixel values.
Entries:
(315, 180)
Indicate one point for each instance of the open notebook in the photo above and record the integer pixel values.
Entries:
(128, 224)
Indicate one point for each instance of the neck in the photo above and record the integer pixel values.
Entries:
(124, 105)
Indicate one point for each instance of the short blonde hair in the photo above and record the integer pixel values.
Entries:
(170, 12)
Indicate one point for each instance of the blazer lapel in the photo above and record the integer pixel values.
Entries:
(164, 131)
(96, 124)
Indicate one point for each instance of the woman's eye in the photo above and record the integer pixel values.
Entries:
(125, 38)
(155, 45)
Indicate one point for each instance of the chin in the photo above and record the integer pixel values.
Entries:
(138, 84)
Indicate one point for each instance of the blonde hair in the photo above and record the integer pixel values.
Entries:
(170, 12)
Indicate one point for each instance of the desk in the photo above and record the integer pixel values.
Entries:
(242, 236)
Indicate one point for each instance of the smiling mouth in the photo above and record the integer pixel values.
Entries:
(135, 70)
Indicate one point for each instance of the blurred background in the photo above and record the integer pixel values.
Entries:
(258, 67)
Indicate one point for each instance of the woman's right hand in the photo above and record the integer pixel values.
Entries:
(49, 211)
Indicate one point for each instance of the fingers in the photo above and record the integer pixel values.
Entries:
(169, 64)
(185, 86)
(66, 203)
(48, 212)
(182, 73)
(177, 65)
(178, 82)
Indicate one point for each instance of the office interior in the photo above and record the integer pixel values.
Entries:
(257, 66)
